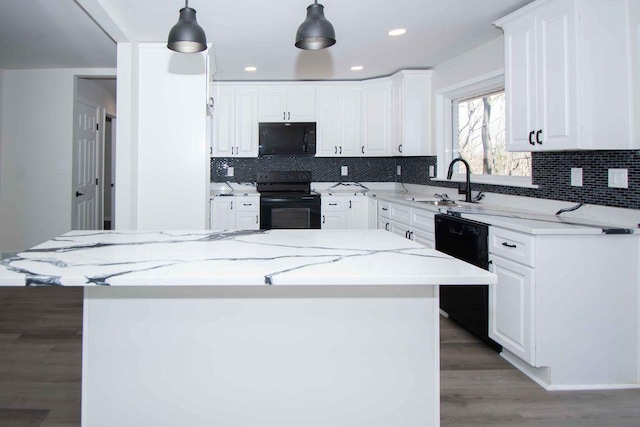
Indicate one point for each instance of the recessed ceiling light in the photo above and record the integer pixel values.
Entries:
(357, 68)
(250, 68)
(397, 32)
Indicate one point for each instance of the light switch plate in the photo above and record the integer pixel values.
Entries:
(398, 170)
(576, 177)
(618, 178)
(230, 171)
(344, 170)
(432, 171)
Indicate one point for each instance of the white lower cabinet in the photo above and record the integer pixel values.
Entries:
(408, 221)
(235, 213)
(565, 306)
(511, 319)
(345, 212)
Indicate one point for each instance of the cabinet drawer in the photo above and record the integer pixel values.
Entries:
(423, 219)
(512, 245)
(383, 209)
(333, 205)
(400, 213)
(246, 204)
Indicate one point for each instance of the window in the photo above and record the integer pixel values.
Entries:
(471, 125)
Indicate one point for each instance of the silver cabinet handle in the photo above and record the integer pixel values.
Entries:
(400, 148)
(257, 219)
(324, 220)
(538, 137)
(509, 245)
(284, 115)
(335, 151)
(333, 204)
(386, 226)
(349, 204)
(363, 149)
(232, 205)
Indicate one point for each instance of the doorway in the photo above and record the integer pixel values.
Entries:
(93, 162)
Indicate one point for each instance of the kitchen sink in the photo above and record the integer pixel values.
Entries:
(421, 199)
(440, 203)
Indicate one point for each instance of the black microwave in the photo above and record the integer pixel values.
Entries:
(287, 139)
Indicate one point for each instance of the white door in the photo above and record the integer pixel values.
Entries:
(85, 151)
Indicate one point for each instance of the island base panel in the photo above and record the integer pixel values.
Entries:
(200, 356)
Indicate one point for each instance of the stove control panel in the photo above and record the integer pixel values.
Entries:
(283, 176)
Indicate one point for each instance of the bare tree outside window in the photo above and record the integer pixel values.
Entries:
(481, 137)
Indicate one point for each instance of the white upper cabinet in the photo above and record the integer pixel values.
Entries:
(568, 76)
(293, 103)
(411, 116)
(376, 118)
(235, 121)
(339, 120)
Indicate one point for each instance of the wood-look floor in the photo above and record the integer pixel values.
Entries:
(40, 374)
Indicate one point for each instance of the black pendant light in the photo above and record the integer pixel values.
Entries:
(315, 32)
(187, 36)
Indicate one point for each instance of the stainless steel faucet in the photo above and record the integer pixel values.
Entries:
(467, 197)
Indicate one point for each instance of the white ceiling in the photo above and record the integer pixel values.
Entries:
(58, 33)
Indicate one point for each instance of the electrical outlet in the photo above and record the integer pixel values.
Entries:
(344, 170)
(398, 170)
(576, 177)
(618, 178)
(432, 171)
(230, 171)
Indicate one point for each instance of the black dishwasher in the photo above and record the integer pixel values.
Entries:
(467, 305)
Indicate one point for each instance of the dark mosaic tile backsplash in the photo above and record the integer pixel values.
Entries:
(551, 172)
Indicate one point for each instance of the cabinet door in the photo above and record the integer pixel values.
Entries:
(224, 122)
(222, 213)
(301, 104)
(248, 220)
(376, 120)
(272, 104)
(358, 212)
(327, 126)
(520, 86)
(246, 131)
(334, 221)
(556, 77)
(424, 238)
(334, 212)
(399, 228)
(511, 313)
(350, 121)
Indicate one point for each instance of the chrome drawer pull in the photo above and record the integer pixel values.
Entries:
(508, 245)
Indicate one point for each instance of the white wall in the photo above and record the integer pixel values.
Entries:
(1, 86)
(476, 62)
(126, 180)
(95, 93)
(173, 165)
(36, 154)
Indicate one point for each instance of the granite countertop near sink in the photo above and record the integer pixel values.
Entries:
(512, 218)
(535, 223)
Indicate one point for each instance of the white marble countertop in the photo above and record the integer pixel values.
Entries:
(512, 218)
(204, 258)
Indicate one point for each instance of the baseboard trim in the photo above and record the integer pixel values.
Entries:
(538, 374)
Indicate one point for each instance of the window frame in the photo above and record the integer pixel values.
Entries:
(444, 128)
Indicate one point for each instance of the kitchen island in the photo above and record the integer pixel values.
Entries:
(270, 328)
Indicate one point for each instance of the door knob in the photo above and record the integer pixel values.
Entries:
(78, 194)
